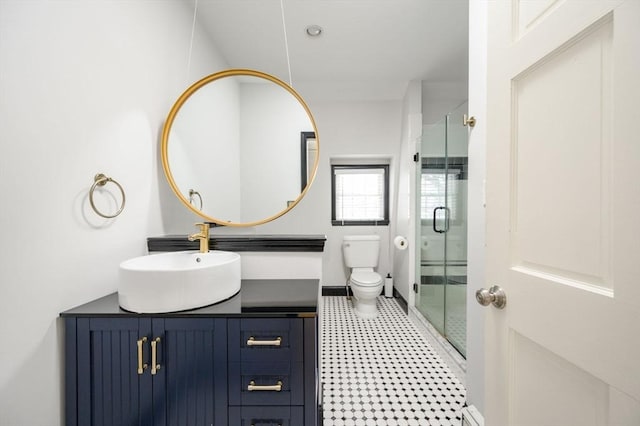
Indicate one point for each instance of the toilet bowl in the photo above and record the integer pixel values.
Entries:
(361, 254)
(366, 286)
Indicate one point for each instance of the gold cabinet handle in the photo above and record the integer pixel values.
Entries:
(253, 387)
(141, 366)
(253, 342)
(154, 356)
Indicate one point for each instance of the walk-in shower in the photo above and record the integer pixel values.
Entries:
(442, 227)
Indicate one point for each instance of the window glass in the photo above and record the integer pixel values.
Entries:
(360, 194)
(432, 187)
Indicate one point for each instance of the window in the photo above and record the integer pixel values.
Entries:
(360, 194)
(443, 184)
(432, 185)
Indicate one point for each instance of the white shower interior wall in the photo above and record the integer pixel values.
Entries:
(86, 87)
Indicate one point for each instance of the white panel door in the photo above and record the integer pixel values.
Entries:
(563, 213)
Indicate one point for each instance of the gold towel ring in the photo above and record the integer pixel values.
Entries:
(101, 180)
(192, 197)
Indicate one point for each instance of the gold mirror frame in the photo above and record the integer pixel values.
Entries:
(176, 108)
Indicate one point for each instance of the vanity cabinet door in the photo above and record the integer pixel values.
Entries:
(146, 371)
(109, 389)
(190, 385)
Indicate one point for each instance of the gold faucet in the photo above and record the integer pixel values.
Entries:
(203, 236)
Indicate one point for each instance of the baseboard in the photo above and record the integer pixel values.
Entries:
(335, 290)
(341, 290)
(471, 416)
(401, 301)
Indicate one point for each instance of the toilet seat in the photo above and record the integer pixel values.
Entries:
(366, 278)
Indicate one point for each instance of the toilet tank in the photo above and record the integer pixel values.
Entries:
(361, 251)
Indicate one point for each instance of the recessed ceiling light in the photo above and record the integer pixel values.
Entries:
(314, 30)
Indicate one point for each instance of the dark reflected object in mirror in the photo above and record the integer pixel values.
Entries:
(235, 136)
(308, 156)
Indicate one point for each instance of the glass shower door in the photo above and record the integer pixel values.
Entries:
(456, 236)
(430, 300)
(442, 227)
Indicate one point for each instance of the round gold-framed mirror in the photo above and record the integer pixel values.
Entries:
(240, 148)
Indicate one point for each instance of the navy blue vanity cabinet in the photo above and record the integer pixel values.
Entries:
(146, 371)
(108, 389)
(249, 360)
(266, 416)
(190, 388)
(272, 371)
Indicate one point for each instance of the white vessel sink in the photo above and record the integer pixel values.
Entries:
(178, 281)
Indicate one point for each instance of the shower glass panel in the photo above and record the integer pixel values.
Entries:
(430, 300)
(442, 231)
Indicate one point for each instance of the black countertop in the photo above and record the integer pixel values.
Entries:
(260, 298)
(247, 242)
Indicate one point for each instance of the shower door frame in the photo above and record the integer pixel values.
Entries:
(441, 287)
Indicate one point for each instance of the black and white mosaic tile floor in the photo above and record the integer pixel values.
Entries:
(383, 371)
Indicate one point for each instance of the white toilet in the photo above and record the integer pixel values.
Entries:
(361, 254)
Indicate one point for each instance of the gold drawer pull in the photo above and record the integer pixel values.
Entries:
(141, 366)
(253, 342)
(253, 387)
(154, 356)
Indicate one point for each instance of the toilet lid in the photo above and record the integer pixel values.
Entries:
(366, 278)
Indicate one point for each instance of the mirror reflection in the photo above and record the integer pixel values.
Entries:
(232, 151)
(308, 157)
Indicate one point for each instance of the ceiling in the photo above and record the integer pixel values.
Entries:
(368, 50)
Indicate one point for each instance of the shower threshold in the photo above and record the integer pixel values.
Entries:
(449, 354)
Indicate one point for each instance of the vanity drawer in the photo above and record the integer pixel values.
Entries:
(280, 383)
(266, 416)
(266, 340)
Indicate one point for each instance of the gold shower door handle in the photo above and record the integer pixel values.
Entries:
(141, 365)
(154, 356)
(253, 387)
(468, 121)
(253, 342)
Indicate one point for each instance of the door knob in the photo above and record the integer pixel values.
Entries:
(495, 295)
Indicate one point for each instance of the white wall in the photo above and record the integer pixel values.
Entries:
(476, 224)
(404, 269)
(440, 98)
(344, 129)
(84, 88)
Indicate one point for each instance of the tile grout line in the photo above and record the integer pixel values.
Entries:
(383, 371)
